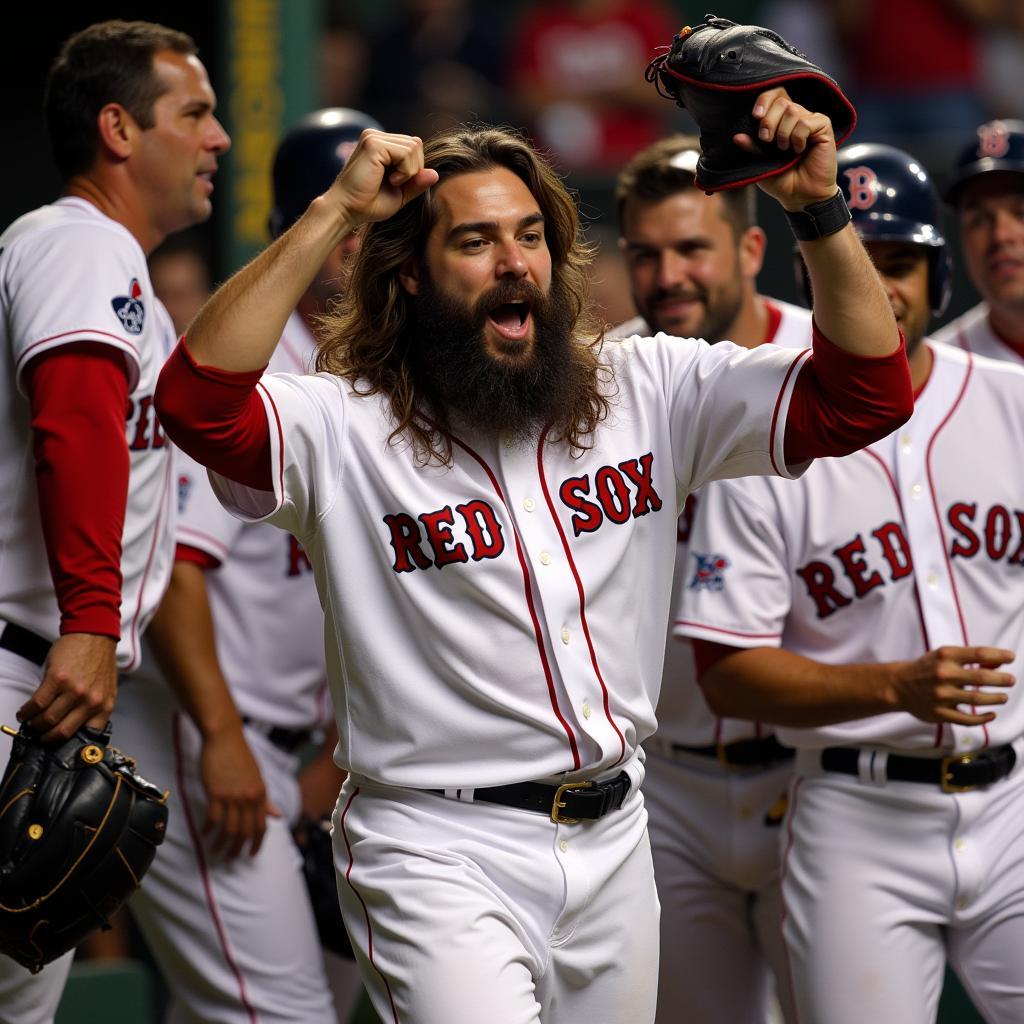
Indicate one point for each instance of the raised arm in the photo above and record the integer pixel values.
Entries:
(850, 304)
(240, 325)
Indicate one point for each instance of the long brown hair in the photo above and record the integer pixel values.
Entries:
(367, 338)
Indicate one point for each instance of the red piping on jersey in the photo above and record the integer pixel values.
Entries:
(529, 602)
(937, 742)
(204, 874)
(903, 517)
(805, 354)
(82, 333)
(790, 814)
(729, 632)
(362, 903)
(280, 446)
(168, 461)
(774, 320)
(938, 514)
(583, 596)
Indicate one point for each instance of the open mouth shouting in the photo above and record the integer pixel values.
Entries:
(512, 320)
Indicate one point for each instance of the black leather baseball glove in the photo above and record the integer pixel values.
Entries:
(716, 70)
(314, 841)
(78, 830)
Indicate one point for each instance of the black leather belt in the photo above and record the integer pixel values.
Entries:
(957, 773)
(565, 805)
(288, 740)
(25, 643)
(742, 753)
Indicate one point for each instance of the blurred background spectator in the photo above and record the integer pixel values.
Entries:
(180, 272)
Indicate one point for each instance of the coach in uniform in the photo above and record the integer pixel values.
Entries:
(86, 514)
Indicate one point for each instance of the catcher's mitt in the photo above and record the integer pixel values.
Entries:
(314, 841)
(78, 830)
(716, 70)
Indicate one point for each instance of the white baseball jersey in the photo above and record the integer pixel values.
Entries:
(973, 332)
(69, 273)
(269, 624)
(475, 613)
(915, 542)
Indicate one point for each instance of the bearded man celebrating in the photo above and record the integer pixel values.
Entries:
(488, 494)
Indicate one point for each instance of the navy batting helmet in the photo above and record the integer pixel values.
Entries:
(309, 158)
(892, 199)
(997, 146)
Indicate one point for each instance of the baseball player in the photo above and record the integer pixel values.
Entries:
(873, 609)
(987, 191)
(713, 785)
(239, 638)
(489, 501)
(86, 515)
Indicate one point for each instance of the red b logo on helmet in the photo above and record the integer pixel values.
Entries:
(862, 189)
(993, 140)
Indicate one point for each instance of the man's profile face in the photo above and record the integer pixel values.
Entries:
(176, 159)
(904, 268)
(992, 237)
(686, 265)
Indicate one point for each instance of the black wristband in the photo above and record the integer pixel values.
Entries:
(820, 219)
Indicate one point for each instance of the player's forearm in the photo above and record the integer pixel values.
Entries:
(781, 688)
(240, 325)
(181, 637)
(850, 305)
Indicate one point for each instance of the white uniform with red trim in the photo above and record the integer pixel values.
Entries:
(972, 331)
(69, 273)
(916, 542)
(715, 828)
(236, 939)
(495, 622)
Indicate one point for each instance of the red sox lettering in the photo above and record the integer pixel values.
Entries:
(428, 540)
(617, 493)
(143, 426)
(999, 533)
(1003, 532)
(622, 493)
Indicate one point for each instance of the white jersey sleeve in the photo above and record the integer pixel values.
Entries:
(727, 405)
(736, 587)
(61, 286)
(203, 522)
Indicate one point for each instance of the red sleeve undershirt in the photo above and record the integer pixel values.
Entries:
(706, 653)
(187, 553)
(78, 395)
(841, 402)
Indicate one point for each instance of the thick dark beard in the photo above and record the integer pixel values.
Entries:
(455, 373)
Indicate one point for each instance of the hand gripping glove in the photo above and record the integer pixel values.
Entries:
(317, 849)
(716, 71)
(78, 830)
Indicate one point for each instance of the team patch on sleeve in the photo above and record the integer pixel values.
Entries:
(710, 571)
(129, 309)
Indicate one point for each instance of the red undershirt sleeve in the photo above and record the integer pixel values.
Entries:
(187, 553)
(216, 417)
(706, 653)
(843, 402)
(78, 395)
